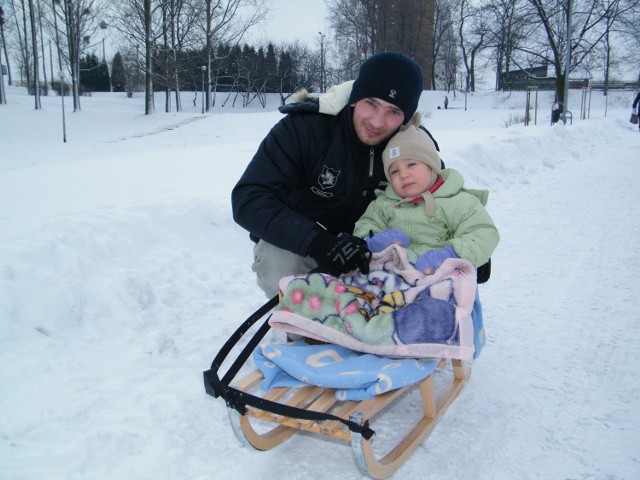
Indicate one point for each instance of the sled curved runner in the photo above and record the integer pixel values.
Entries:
(318, 399)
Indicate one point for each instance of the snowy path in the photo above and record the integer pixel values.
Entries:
(562, 310)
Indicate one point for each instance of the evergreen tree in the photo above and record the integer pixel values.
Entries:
(103, 83)
(118, 73)
(286, 74)
(89, 73)
(271, 69)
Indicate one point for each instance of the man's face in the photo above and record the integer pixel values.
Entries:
(375, 120)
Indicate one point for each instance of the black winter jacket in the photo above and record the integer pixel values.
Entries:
(310, 169)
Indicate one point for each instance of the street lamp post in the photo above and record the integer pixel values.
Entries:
(567, 63)
(204, 69)
(64, 126)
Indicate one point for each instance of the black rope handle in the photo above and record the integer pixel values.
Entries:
(238, 400)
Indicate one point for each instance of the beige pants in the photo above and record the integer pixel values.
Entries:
(271, 263)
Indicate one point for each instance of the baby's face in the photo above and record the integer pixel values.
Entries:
(410, 178)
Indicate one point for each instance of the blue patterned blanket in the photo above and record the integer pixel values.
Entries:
(355, 376)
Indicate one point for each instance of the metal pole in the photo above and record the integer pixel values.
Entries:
(3, 97)
(204, 69)
(322, 85)
(64, 126)
(567, 63)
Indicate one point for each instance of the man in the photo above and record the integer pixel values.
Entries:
(314, 175)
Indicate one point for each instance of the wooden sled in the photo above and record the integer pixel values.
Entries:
(281, 412)
(318, 399)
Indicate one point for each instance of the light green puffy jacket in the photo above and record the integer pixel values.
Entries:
(460, 220)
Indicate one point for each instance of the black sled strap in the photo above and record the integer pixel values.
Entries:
(238, 400)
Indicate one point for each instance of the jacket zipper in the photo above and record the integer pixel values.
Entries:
(371, 162)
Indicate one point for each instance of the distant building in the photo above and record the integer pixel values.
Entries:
(527, 76)
(539, 77)
(407, 27)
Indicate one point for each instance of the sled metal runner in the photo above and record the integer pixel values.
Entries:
(317, 410)
(318, 399)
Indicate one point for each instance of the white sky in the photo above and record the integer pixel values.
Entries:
(294, 19)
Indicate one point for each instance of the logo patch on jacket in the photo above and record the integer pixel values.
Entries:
(327, 180)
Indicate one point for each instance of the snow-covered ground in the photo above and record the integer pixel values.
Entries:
(122, 273)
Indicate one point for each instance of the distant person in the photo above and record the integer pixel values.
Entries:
(636, 107)
(446, 102)
(314, 175)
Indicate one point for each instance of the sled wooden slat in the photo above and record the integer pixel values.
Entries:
(275, 394)
(343, 411)
(321, 404)
(250, 381)
(323, 400)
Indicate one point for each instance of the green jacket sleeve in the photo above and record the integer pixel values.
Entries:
(373, 219)
(475, 234)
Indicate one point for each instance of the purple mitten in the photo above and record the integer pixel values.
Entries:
(429, 262)
(382, 240)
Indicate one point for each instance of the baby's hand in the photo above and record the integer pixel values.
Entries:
(429, 262)
(381, 240)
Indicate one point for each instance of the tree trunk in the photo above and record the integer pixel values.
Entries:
(6, 57)
(44, 64)
(25, 47)
(34, 45)
(148, 46)
(3, 98)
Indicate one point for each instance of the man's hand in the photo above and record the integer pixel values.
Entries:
(341, 254)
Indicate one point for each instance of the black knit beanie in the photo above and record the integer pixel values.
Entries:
(392, 77)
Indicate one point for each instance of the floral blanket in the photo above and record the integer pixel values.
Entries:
(394, 311)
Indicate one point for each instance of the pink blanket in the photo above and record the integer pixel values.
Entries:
(394, 311)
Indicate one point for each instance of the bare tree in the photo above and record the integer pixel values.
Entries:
(445, 56)
(34, 52)
(178, 18)
(41, 14)
(24, 60)
(227, 21)
(76, 22)
(4, 24)
(139, 22)
(629, 31)
(3, 98)
(589, 26)
(614, 12)
(471, 34)
(509, 26)
(353, 23)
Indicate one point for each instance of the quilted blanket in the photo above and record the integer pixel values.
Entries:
(394, 311)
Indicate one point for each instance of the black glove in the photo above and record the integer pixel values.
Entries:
(341, 254)
(309, 104)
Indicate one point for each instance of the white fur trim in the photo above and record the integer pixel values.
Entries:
(336, 98)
